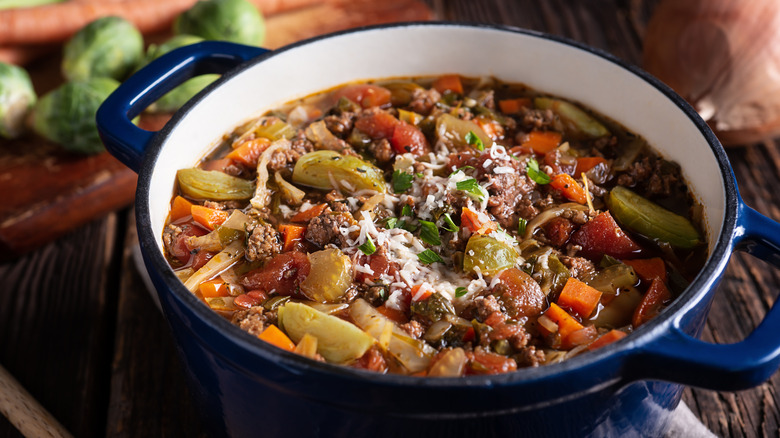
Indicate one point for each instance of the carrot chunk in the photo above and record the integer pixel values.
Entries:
(448, 83)
(276, 337)
(248, 152)
(607, 338)
(208, 217)
(180, 208)
(307, 215)
(579, 297)
(584, 164)
(476, 222)
(213, 288)
(542, 142)
(513, 106)
(569, 187)
(291, 234)
(566, 323)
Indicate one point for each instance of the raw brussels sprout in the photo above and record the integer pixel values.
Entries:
(177, 97)
(237, 21)
(320, 169)
(17, 97)
(108, 47)
(66, 115)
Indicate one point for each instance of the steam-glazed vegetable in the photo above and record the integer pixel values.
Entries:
(337, 340)
(66, 115)
(650, 219)
(177, 97)
(236, 21)
(332, 170)
(17, 97)
(109, 47)
(436, 227)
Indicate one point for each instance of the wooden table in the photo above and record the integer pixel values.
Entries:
(79, 330)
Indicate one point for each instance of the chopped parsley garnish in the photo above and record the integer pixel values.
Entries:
(535, 174)
(368, 248)
(461, 169)
(521, 224)
(449, 225)
(419, 175)
(402, 181)
(406, 210)
(472, 187)
(427, 257)
(429, 233)
(408, 226)
(391, 222)
(475, 141)
(459, 292)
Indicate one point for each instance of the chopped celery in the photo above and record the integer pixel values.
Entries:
(650, 219)
(576, 121)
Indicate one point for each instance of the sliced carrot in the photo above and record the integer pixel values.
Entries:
(579, 297)
(566, 323)
(584, 164)
(493, 129)
(276, 337)
(180, 208)
(542, 142)
(448, 83)
(214, 288)
(607, 338)
(291, 234)
(570, 188)
(307, 215)
(248, 152)
(513, 106)
(208, 217)
(394, 315)
(648, 269)
(420, 294)
(476, 222)
(656, 296)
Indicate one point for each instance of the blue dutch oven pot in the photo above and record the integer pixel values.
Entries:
(245, 387)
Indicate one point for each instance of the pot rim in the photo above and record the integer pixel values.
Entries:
(702, 285)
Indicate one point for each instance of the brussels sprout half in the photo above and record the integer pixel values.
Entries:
(17, 97)
(236, 21)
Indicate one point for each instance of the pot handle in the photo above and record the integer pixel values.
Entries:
(126, 141)
(679, 357)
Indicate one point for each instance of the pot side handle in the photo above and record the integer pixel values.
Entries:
(126, 141)
(679, 357)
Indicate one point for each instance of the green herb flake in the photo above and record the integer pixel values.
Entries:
(408, 226)
(521, 224)
(368, 248)
(472, 187)
(459, 292)
(475, 141)
(449, 225)
(535, 174)
(427, 257)
(390, 223)
(419, 175)
(406, 210)
(402, 181)
(429, 233)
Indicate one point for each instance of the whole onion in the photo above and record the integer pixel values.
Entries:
(723, 56)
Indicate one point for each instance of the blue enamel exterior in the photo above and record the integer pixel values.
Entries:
(245, 387)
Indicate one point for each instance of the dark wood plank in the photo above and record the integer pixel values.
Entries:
(148, 392)
(56, 325)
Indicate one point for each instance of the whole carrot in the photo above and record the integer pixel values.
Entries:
(57, 22)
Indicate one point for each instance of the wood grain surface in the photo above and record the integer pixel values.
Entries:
(79, 331)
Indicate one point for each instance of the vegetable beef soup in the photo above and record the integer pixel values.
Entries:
(440, 226)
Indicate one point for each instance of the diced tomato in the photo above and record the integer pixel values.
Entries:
(393, 314)
(200, 258)
(366, 95)
(377, 124)
(655, 298)
(409, 138)
(485, 362)
(602, 235)
(250, 299)
(648, 269)
(281, 275)
(558, 231)
(179, 248)
(520, 294)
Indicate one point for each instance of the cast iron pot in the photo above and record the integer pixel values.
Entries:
(245, 387)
